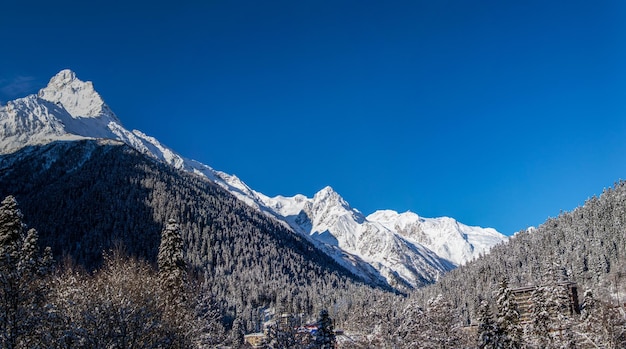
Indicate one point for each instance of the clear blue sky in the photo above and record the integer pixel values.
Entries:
(498, 113)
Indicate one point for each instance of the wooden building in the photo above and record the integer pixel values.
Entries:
(523, 298)
(254, 340)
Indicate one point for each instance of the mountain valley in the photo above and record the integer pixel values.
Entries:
(402, 250)
(103, 198)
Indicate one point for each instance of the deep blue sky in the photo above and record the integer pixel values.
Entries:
(498, 113)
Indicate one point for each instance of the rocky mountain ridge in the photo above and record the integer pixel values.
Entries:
(403, 250)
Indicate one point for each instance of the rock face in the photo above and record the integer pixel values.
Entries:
(77, 97)
(402, 250)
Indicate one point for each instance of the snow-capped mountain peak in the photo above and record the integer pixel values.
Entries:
(70, 109)
(388, 247)
(447, 237)
(327, 192)
(327, 202)
(79, 98)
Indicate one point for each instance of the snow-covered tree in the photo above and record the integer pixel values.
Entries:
(508, 317)
(538, 333)
(22, 288)
(281, 336)
(443, 325)
(208, 328)
(561, 321)
(325, 337)
(488, 333)
(11, 231)
(171, 263)
(116, 307)
(412, 319)
(601, 325)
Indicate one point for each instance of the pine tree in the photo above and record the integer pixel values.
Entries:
(282, 336)
(325, 338)
(22, 288)
(409, 328)
(508, 317)
(209, 330)
(236, 334)
(29, 252)
(443, 325)
(591, 318)
(488, 336)
(561, 322)
(539, 329)
(11, 230)
(172, 268)
(601, 325)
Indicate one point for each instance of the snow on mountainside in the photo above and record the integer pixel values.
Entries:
(448, 238)
(70, 109)
(416, 250)
(384, 247)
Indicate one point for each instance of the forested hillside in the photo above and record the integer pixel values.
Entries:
(586, 245)
(92, 196)
(86, 197)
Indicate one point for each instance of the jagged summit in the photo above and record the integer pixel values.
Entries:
(63, 77)
(79, 98)
(326, 191)
(328, 194)
(404, 248)
(385, 247)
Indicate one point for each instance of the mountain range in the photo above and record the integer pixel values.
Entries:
(402, 250)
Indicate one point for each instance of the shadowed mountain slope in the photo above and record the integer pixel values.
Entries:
(85, 197)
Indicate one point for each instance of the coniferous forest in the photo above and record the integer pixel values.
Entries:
(103, 247)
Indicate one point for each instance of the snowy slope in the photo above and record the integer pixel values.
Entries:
(445, 236)
(414, 249)
(385, 247)
(70, 109)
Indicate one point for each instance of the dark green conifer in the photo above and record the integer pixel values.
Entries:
(325, 338)
(22, 288)
(172, 269)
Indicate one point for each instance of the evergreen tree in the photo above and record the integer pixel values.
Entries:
(508, 317)
(538, 332)
(592, 319)
(325, 338)
(171, 263)
(488, 334)
(209, 329)
(601, 325)
(236, 334)
(282, 336)
(22, 288)
(443, 324)
(11, 231)
(412, 319)
(561, 321)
